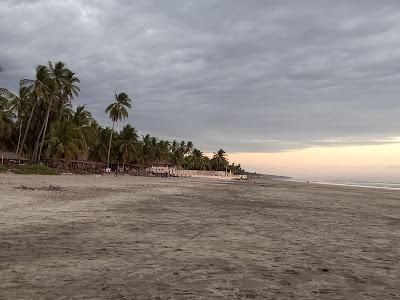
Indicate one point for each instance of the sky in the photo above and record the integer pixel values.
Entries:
(277, 84)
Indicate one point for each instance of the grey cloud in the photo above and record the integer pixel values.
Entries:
(243, 75)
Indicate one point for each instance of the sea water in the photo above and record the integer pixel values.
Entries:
(377, 185)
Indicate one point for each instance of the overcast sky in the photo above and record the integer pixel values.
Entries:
(253, 76)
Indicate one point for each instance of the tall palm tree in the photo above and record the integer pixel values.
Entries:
(117, 111)
(38, 87)
(63, 86)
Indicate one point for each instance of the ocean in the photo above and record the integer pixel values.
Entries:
(377, 185)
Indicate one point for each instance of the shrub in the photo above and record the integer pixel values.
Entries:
(3, 169)
(35, 169)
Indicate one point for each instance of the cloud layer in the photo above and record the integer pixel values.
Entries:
(245, 75)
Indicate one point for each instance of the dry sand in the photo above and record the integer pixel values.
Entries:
(80, 237)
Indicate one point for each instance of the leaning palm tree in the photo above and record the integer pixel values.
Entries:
(117, 111)
(38, 88)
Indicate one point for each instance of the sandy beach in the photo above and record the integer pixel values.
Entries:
(83, 237)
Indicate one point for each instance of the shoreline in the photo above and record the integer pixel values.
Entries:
(368, 185)
(359, 185)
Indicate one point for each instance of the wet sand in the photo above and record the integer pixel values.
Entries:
(83, 237)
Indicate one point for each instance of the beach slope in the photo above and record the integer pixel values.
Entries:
(128, 237)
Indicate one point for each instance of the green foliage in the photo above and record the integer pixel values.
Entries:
(118, 109)
(3, 169)
(6, 120)
(128, 144)
(65, 141)
(40, 122)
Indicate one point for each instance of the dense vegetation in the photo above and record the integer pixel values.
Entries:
(33, 169)
(40, 121)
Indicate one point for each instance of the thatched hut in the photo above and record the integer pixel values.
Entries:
(11, 158)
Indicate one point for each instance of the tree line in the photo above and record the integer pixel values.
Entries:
(39, 121)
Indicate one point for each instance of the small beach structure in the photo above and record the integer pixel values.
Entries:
(11, 158)
(160, 170)
(175, 172)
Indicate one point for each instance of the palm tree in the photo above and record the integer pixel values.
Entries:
(63, 141)
(62, 84)
(82, 117)
(147, 150)
(82, 120)
(41, 115)
(65, 112)
(99, 150)
(178, 153)
(189, 147)
(6, 120)
(128, 144)
(38, 88)
(69, 89)
(195, 160)
(117, 111)
(174, 146)
(18, 104)
(220, 161)
(162, 151)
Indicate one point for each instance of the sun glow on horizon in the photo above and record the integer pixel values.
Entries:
(371, 162)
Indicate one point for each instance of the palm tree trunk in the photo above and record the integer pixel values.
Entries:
(26, 131)
(19, 136)
(36, 149)
(45, 127)
(109, 146)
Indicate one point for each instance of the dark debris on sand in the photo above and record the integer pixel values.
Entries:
(51, 188)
